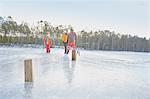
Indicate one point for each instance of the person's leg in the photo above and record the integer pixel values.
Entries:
(69, 44)
(65, 47)
(49, 46)
(49, 50)
(73, 45)
(46, 48)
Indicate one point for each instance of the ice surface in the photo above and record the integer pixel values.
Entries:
(95, 75)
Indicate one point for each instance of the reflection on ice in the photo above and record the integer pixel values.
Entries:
(28, 90)
(69, 67)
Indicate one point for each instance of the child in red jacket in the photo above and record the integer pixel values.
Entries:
(47, 42)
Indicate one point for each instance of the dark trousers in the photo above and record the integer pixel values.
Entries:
(65, 46)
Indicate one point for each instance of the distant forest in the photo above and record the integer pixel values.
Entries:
(12, 33)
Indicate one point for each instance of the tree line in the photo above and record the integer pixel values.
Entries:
(106, 40)
(12, 33)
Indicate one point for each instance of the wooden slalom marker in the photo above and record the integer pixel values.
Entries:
(28, 70)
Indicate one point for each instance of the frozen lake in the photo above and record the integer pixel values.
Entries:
(95, 75)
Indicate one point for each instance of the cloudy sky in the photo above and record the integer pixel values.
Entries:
(123, 16)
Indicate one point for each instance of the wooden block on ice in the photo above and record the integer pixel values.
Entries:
(28, 70)
(73, 55)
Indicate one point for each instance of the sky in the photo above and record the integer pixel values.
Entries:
(122, 16)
